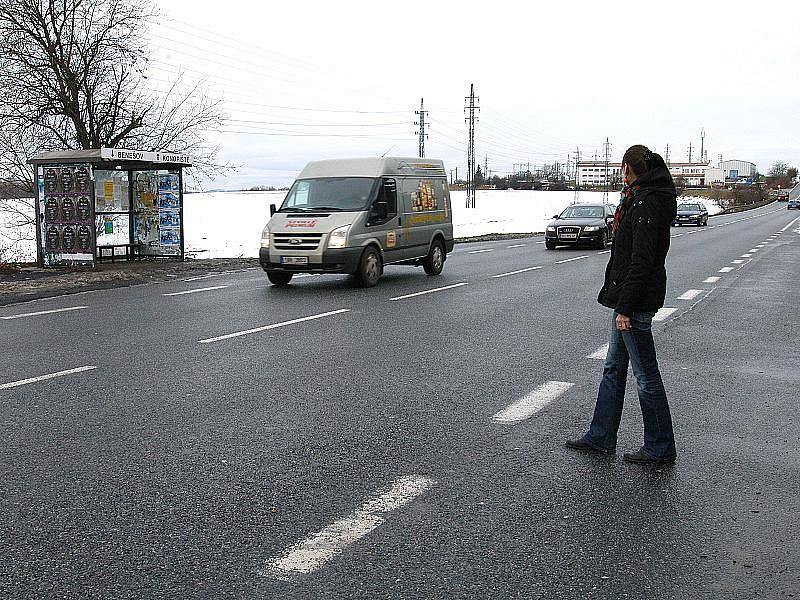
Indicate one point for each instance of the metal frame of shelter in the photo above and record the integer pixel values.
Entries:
(91, 201)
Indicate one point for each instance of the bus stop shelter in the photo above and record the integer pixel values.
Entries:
(92, 205)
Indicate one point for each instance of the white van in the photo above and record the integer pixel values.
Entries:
(357, 215)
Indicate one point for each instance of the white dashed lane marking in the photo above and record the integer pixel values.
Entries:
(207, 289)
(746, 255)
(516, 246)
(515, 272)
(434, 290)
(600, 353)
(313, 552)
(43, 312)
(725, 270)
(274, 326)
(566, 260)
(14, 384)
(663, 313)
(481, 251)
(528, 406)
(690, 294)
(713, 279)
(753, 250)
(737, 261)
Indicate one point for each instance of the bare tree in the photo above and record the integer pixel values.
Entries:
(73, 75)
(778, 169)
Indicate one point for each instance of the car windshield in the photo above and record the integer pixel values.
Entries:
(331, 193)
(582, 212)
(689, 207)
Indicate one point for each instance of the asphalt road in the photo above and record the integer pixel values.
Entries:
(322, 440)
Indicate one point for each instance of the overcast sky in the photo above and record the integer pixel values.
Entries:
(308, 80)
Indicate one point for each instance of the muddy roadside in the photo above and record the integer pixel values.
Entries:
(25, 283)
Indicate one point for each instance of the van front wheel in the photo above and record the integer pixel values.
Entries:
(279, 278)
(434, 263)
(370, 268)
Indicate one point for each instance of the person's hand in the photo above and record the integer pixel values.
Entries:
(623, 323)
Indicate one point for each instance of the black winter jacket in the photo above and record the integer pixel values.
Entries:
(636, 279)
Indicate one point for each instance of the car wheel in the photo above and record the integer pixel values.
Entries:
(550, 245)
(370, 268)
(279, 278)
(434, 263)
(603, 240)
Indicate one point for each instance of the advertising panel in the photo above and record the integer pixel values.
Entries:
(65, 206)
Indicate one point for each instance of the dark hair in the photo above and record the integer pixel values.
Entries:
(639, 158)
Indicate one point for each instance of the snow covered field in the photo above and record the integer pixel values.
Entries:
(229, 224)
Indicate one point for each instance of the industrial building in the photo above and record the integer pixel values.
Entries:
(738, 170)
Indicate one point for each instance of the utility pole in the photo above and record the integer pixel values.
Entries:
(472, 117)
(667, 155)
(577, 194)
(607, 153)
(702, 144)
(486, 167)
(420, 123)
(690, 152)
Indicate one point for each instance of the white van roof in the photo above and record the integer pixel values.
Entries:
(373, 167)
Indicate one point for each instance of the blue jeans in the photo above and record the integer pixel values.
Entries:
(635, 346)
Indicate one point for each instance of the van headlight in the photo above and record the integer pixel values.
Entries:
(265, 238)
(338, 237)
(591, 228)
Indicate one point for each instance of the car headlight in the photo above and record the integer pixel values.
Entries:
(592, 228)
(338, 237)
(265, 238)
(550, 228)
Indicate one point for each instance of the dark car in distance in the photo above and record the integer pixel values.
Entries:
(795, 203)
(691, 213)
(581, 224)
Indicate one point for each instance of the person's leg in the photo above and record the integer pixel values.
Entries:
(611, 395)
(659, 439)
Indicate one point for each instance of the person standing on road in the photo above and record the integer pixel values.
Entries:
(635, 287)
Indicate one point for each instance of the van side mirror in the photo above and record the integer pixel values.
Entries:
(272, 209)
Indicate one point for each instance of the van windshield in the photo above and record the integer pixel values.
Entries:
(331, 193)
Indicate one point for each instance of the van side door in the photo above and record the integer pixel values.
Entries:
(382, 219)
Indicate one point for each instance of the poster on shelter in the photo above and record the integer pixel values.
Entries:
(66, 210)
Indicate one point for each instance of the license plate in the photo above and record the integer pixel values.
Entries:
(569, 236)
(294, 260)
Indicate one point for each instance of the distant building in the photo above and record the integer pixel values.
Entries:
(592, 173)
(692, 173)
(738, 170)
(715, 176)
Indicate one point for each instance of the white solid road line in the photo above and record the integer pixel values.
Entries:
(600, 354)
(714, 279)
(690, 294)
(725, 270)
(43, 312)
(789, 225)
(566, 260)
(663, 313)
(274, 326)
(480, 251)
(208, 289)
(677, 235)
(516, 246)
(441, 289)
(528, 406)
(14, 384)
(313, 552)
(515, 272)
(605, 252)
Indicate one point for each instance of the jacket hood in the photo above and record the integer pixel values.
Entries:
(658, 184)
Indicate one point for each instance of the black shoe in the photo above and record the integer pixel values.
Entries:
(584, 446)
(643, 458)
